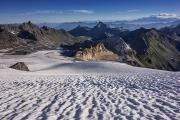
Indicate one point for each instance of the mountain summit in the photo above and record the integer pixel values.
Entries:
(101, 25)
(99, 31)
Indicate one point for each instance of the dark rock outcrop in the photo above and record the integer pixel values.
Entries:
(20, 66)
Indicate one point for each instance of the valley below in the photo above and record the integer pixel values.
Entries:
(58, 87)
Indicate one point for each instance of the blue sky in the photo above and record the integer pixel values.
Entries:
(13, 11)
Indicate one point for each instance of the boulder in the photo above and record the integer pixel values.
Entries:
(20, 66)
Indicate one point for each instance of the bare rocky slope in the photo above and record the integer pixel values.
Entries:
(99, 52)
(37, 38)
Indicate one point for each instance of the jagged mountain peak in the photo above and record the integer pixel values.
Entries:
(29, 23)
(28, 26)
(101, 25)
(97, 52)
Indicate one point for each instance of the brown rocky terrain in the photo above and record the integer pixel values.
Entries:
(99, 52)
(28, 37)
(20, 66)
(8, 40)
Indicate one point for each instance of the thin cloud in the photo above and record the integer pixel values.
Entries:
(39, 12)
(133, 10)
(127, 11)
(42, 12)
(82, 11)
(168, 15)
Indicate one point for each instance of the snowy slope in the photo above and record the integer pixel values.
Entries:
(61, 88)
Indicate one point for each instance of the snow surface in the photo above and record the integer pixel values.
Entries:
(60, 88)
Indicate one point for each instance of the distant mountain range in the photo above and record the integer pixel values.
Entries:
(154, 21)
(101, 30)
(142, 47)
(153, 48)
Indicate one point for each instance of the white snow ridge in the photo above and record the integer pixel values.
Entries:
(58, 88)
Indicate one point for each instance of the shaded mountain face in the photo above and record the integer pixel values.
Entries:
(30, 32)
(80, 31)
(154, 49)
(137, 40)
(100, 31)
(101, 27)
(173, 35)
(71, 25)
(60, 37)
(117, 45)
